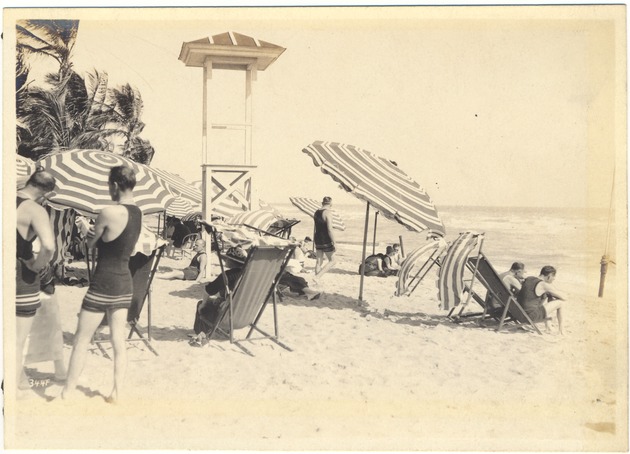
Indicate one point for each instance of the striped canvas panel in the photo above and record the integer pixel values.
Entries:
(62, 222)
(255, 287)
(310, 206)
(451, 278)
(416, 259)
(378, 181)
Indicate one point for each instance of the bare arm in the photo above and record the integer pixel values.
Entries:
(99, 228)
(328, 219)
(203, 261)
(40, 223)
(512, 282)
(554, 292)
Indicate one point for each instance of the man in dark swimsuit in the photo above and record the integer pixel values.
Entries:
(540, 299)
(32, 222)
(324, 238)
(115, 234)
(196, 271)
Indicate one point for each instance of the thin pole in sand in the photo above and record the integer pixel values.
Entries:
(374, 238)
(402, 249)
(365, 232)
(605, 258)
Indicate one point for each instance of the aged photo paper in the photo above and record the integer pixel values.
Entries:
(500, 130)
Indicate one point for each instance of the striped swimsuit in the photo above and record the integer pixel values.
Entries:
(27, 282)
(111, 286)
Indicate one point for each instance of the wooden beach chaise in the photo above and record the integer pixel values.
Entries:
(489, 278)
(254, 290)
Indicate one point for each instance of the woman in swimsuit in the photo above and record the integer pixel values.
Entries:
(114, 234)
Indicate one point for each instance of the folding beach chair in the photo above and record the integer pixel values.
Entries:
(282, 227)
(497, 290)
(410, 275)
(453, 290)
(257, 285)
(143, 270)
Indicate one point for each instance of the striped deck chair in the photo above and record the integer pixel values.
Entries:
(490, 279)
(410, 276)
(452, 288)
(256, 287)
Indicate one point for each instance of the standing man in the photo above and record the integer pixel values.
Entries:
(32, 222)
(324, 238)
(114, 234)
(540, 299)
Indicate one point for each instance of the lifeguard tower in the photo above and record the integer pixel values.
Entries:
(227, 155)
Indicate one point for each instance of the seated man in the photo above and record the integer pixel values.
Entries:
(388, 262)
(514, 277)
(397, 258)
(540, 299)
(210, 308)
(376, 265)
(196, 271)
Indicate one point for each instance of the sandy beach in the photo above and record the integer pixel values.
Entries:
(389, 373)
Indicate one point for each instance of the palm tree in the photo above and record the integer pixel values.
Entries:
(71, 112)
(52, 38)
(127, 113)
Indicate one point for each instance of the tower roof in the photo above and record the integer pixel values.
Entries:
(230, 50)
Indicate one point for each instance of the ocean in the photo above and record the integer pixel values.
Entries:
(562, 237)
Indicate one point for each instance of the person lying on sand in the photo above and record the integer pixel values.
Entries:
(540, 299)
(196, 270)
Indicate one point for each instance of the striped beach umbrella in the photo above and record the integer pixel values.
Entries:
(180, 207)
(259, 219)
(82, 182)
(379, 182)
(451, 278)
(177, 185)
(310, 206)
(25, 168)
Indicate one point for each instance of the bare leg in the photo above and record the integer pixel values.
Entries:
(60, 370)
(88, 322)
(555, 306)
(23, 328)
(331, 262)
(117, 319)
(319, 261)
(171, 275)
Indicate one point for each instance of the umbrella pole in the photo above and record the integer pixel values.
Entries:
(402, 249)
(365, 232)
(605, 258)
(374, 238)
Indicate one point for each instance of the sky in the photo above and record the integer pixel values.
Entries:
(481, 106)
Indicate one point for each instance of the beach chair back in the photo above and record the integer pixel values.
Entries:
(451, 279)
(417, 264)
(262, 270)
(490, 279)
